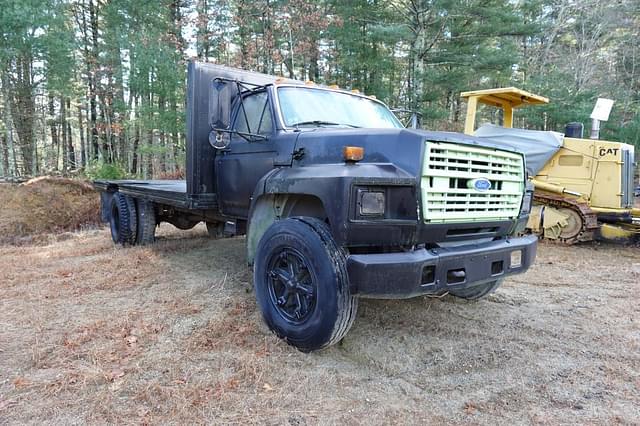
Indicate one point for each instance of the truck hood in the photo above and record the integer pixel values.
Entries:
(401, 147)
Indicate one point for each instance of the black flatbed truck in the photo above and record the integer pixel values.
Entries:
(337, 200)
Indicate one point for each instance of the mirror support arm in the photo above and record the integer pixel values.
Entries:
(218, 141)
(244, 134)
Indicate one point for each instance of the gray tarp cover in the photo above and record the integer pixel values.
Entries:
(537, 146)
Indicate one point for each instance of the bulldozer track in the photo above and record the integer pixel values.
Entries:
(588, 216)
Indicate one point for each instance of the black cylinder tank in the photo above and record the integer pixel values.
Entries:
(574, 130)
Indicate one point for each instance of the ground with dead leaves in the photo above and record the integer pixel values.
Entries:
(170, 334)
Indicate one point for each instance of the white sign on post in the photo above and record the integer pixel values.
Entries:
(602, 109)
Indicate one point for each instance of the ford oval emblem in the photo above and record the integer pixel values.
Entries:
(480, 184)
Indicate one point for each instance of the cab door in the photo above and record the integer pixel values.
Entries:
(240, 166)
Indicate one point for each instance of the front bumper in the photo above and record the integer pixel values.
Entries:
(435, 271)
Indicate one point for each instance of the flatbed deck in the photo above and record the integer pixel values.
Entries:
(168, 192)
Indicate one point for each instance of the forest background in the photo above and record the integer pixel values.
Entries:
(98, 86)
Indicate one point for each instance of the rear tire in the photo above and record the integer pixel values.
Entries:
(477, 292)
(301, 284)
(123, 219)
(146, 222)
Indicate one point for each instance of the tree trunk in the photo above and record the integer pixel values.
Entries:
(54, 133)
(314, 70)
(5, 156)
(63, 124)
(134, 153)
(91, 62)
(83, 149)
(175, 135)
(136, 139)
(243, 24)
(268, 39)
(164, 156)
(23, 107)
(57, 148)
(107, 147)
(7, 118)
(148, 171)
(70, 149)
(91, 152)
(120, 114)
(202, 28)
(126, 157)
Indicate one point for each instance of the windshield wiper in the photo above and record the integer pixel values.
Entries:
(323, 123)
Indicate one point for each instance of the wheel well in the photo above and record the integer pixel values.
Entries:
(271, 207)
(303, 205)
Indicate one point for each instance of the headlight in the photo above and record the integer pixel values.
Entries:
(372, 203)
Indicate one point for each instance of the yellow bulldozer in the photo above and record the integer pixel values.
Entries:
(584, 188)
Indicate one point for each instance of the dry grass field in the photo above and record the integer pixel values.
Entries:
(92, 333)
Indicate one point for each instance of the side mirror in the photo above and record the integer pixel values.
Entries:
(221, 95)
(220, 98)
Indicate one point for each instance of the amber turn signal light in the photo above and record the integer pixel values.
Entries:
(353, 153)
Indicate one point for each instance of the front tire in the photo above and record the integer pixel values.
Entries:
(477, 292)
(301, 284)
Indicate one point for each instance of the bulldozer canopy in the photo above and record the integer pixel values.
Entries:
(537, 146)
(511, 96)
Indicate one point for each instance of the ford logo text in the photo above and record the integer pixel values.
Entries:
(480, 184)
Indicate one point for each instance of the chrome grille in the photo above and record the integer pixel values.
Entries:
(447, 172)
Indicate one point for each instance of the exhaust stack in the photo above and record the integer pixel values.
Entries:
(600, 113)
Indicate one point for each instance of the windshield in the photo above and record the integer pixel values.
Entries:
(305, 106)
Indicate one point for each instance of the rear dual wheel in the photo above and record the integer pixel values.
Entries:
(123, 219)
(132, 221)
(147, 223)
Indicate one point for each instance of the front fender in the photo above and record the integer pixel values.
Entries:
(332, 184)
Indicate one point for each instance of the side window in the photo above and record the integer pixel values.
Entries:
(258, 115)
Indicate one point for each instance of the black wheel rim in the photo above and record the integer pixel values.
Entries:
(292, 287)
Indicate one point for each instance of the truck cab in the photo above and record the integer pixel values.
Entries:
(337, 199)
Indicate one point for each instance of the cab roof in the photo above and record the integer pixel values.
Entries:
(255, 79)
